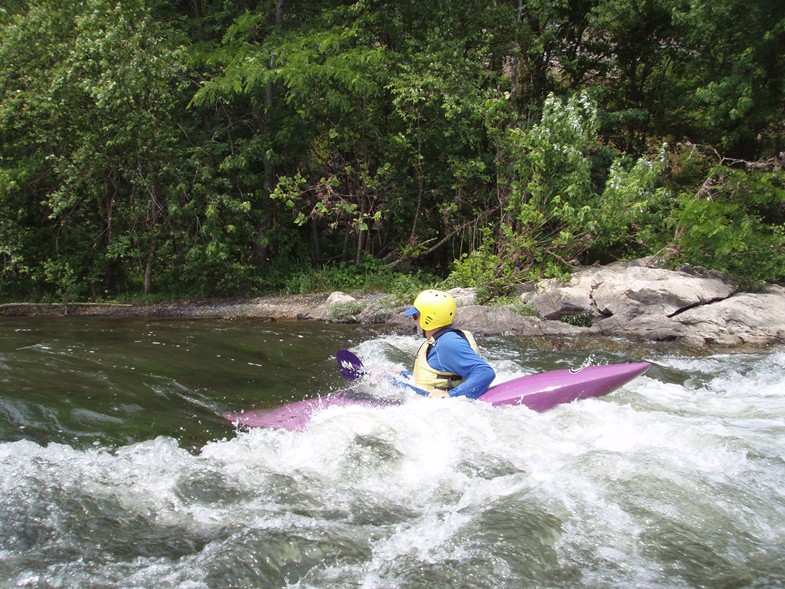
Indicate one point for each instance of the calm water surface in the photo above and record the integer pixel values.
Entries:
(117, 468)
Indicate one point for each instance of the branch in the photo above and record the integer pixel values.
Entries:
(767, 165)
(444, 239)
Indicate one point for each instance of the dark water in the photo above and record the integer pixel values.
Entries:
(109, 381)
(119, 471)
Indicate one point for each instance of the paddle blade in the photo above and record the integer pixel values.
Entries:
(351, 366)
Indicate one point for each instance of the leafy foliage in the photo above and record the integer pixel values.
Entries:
(737, 226)
(370, 275)
(554, 213)
(217, 148)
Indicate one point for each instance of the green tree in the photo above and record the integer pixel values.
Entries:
(98, 196)
(213, 147)
(124, 74)
(30, 121)
(632, 47)
(548, 217)
(555, 212)
(732, 76)
(735, 223)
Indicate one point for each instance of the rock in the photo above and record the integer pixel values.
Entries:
(664, 305)
(554, 299)
(482, 320)
(638, 291)
(630, 301)
(464, 296)
(331, 309)
(624, 292)
(376, 313)
(645, 327)
(745, 318)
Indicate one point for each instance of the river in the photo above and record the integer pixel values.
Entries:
(117, 468)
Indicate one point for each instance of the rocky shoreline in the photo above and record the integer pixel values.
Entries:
(628, 300)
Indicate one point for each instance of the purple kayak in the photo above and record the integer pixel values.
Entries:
(538, 392)
(542, 391)
(296, 415)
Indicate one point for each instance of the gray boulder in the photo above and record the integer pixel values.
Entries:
(630, 301)
(663, 305)
(336, 307)
(626, 292)
(745, 318)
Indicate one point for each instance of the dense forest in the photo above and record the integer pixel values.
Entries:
(229, 147)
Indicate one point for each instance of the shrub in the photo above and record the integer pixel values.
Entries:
(577, 319)
(341, 311)
(735, 226)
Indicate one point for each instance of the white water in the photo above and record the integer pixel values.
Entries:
(676, 480)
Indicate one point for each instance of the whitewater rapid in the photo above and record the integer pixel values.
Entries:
(676, 480)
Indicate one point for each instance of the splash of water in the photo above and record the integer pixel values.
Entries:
(673, 481)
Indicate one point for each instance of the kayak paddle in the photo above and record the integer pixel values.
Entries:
(351, 366)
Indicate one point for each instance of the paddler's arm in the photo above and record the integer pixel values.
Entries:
(454, 354)
(476, 383)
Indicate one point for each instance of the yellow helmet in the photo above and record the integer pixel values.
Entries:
(435, 307)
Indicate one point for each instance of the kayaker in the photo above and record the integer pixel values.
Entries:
(448, 363)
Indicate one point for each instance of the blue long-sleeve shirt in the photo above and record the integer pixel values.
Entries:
(452, 353)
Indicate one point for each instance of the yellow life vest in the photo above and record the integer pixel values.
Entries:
(427, 377)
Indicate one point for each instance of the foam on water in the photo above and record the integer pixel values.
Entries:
(661, 484)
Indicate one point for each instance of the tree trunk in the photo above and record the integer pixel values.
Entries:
(111, 265)
(317, 248)
(261, 249)
(361, 234)
(148, 269)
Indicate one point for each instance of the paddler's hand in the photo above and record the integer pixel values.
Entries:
(438, 394)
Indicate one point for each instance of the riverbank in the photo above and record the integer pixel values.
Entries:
(631, 300)
(269, 307)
